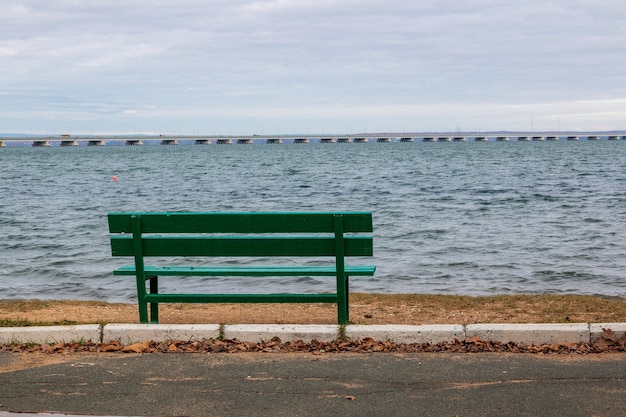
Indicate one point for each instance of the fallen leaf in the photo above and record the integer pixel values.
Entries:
(57, 347)
(601, 342)
(136, 347)
(609, 335)
(112, 347)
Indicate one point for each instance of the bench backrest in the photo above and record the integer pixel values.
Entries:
(240, 234)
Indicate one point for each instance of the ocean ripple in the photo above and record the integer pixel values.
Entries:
(473, 218)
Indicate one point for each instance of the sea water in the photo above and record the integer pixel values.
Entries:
(449, 218)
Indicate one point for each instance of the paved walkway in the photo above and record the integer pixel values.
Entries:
(433, 384)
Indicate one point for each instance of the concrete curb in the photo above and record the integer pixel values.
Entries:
(595, 330)
(286, 332)
(432, 334)
(51, 334)
(530, 334)
(523, 334)
(133, 333)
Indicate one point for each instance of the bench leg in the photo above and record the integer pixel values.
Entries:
(143, 311)
(347, 299)
(141, 299)
(154, 307)
(343, 307)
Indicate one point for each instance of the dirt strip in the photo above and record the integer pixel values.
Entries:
(411, 309)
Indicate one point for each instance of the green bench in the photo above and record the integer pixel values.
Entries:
(330, 237)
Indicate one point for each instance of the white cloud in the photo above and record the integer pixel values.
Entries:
(364, 60)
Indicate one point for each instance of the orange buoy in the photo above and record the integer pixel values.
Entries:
(114, 177)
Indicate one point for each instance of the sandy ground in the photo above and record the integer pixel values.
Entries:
(364, 309)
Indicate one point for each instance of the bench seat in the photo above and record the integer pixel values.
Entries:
(242, 298)
(251, 271)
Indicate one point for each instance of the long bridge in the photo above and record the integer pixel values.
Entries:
(169, 140)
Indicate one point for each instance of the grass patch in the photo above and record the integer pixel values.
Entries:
(546, 308)
(365, 308)
(27, 323)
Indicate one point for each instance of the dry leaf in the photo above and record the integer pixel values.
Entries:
(609, 335)
(137, 347)
(112, 346)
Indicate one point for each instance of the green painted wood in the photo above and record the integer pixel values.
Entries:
(154, 307)
(246, 271)
(242, 298)
(240, 222)
(342, 279)
(259, 235)
(137, 253)
(258, 246)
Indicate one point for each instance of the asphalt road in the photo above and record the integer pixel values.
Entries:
(442, 384)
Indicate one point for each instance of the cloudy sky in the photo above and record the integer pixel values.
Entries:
(239, 67)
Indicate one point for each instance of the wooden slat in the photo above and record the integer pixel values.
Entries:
(247, 271)
(259, 246)
(253, 222)
(242, 298)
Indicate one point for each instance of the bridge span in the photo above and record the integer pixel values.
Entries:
(173, 140)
